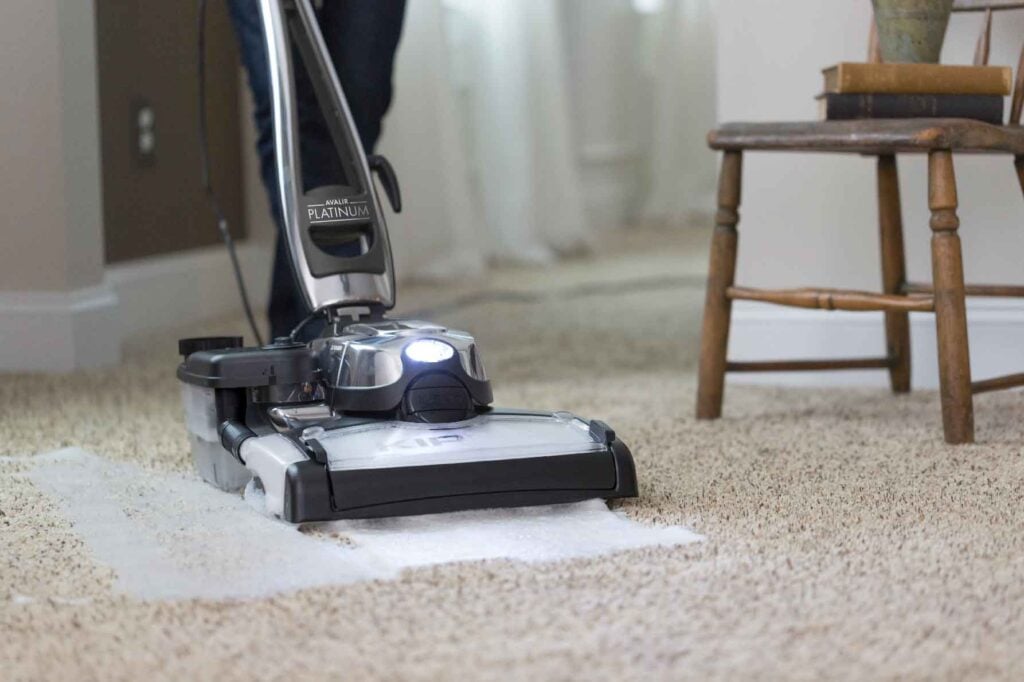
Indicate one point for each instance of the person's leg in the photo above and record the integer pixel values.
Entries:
(286, 307)
(245, 18)
(362, 37)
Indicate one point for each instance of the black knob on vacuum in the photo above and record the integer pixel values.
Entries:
(437, 398)
(187, 347)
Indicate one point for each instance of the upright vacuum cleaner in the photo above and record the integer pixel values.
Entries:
(376, 417)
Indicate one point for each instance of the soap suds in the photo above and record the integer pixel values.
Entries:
(175, 537)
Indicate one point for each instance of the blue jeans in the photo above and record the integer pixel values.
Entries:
(361, 37)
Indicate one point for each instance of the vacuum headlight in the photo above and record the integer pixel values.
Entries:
(429, 350)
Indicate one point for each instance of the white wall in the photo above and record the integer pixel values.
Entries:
(811, 219)
(56, 311)
(60, 307)
(49, 135)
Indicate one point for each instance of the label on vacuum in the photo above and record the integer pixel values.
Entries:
(338, 211)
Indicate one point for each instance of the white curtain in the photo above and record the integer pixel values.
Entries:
(439, 234)
(521, 128)
(681, 169)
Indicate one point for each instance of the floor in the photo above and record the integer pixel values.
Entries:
(844, 540)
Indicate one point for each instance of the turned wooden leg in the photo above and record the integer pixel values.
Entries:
(894, 272)
(1018, 163)
(714, 338)
(950, 308)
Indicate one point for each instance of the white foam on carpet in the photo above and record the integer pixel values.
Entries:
(175, 537)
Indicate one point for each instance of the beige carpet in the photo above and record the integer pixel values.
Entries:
(844, 540)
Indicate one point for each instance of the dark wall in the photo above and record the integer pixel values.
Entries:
(153, 202)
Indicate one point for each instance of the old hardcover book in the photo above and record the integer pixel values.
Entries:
(918, 79)
(841, 107)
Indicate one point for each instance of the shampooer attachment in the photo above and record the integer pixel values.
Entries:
(376, 417)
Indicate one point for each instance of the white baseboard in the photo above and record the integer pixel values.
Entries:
(767, 332)
(188, 287)
(59, 331)
(43, 331)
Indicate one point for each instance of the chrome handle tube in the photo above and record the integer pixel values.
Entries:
(342, 286)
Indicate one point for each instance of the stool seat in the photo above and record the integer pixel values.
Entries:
(872, 136)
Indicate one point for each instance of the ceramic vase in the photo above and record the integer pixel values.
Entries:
(911, 30)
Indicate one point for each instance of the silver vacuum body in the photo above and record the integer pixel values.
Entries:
(377, 417)
(384, 418)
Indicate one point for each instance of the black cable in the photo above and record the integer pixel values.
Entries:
(306, 320)
(204, 158)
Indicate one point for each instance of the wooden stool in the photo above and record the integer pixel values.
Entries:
(939, 139)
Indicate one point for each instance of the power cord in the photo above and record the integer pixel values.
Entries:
(204, 157)
(294, 334)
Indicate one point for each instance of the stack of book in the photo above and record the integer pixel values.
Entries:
(877, 90)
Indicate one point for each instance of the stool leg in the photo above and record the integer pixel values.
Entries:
(894, 272)
(714, 338)
(950, 308)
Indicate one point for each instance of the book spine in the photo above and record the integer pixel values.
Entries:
(838, 107)
(906, 79)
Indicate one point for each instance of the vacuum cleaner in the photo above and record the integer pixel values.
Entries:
(375, 417)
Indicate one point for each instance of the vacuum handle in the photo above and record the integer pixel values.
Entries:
(336, 233)
(382, 167)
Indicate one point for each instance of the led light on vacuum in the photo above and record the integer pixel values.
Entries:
(429, 350)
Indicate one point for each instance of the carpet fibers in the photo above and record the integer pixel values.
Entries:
(844, 540)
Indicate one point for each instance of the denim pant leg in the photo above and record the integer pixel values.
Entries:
(361, 36)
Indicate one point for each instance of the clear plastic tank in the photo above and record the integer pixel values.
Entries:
(215, 464)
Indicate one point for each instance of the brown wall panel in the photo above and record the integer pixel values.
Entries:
(147, 56)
